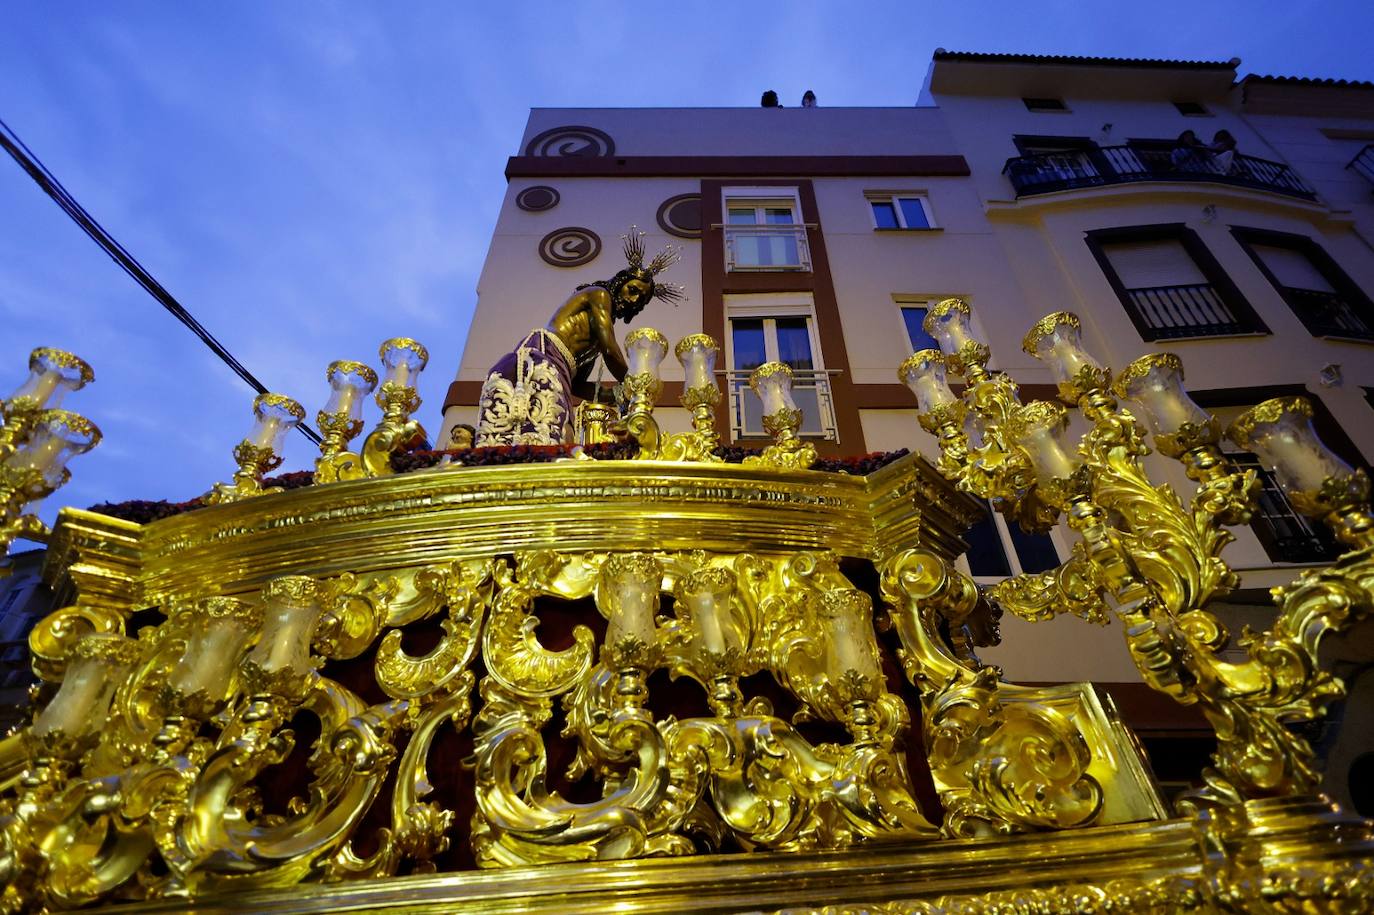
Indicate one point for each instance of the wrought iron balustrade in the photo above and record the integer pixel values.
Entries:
(1195, 310)
(1363, 163)
(767, 248)
(1286, 535)
(1327, 314)
(810, 389)
(1041, 174)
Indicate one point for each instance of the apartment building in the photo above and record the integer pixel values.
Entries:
(1024, 184)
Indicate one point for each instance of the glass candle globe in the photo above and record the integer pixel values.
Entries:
(291, 608)
(274, 415)
(57, 437)
(1280, 432)
(52, 374)
(219, 628)
(924, 373)
(644, 351)
(1057, 341)
(402, 361)
(772, 382)
(96, 666)
(847, 618)
(949, 323)
(349, 383)
(705, 595)
(1039, 429)
(1155, 383)
(698, 353)
(629, 595)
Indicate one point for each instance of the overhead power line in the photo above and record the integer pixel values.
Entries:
(120, 255)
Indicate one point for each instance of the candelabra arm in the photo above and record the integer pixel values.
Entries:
(336, 462)
(700, 444)
(1073, 587)
(254, 461)
(967, 724)
(394, 431)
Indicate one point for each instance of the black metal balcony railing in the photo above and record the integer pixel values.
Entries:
(1363, 163)
(1286, 535)
(1103, 165)
(1327, 314)
(1197, 310)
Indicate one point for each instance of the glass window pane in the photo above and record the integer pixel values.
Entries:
(884, 216)
(747, 338)
(986, 558)
(794, 343)
(742, 216)
(1035, 551)
(914, 213)
(778, 216)
(914, 317)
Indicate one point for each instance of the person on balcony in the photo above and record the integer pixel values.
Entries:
(1223, 151)
(1188, 153)
(527, 397)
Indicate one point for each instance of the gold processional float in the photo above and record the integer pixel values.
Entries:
(467, 668)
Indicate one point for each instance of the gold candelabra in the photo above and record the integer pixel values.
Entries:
(274, 415)
(1146, 556)
(402, 361)
(37, 440)
(782, 419)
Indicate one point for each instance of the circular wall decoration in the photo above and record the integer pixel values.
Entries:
(572, 141)
(570, 247)
(681, 216)
(539, 197)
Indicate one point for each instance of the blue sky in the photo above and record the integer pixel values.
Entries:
(311, 178)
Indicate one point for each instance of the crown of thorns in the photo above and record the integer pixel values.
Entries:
(634, 256)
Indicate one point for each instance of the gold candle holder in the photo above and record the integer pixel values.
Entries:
(700, 392)
(274, 415)
(948, 321)
(1315, 479)
(628, 594)
(718, 643)
(38, 466)
(782, 419)
(342, 419)
(403, 359)
(592, 422)
(1057, 341)
(645, 349)
(53, 373)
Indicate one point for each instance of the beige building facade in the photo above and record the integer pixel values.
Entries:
(1023, 184)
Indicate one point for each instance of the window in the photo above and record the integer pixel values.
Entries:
(1169, 283)
(913, 319)
(1045, 104)
(998, 548)
(765, 234)
(900, 211)
(1192, 109)
(1327, 301)
(1286, 535)
(776, 329)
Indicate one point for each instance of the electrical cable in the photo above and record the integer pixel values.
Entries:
(121, 256)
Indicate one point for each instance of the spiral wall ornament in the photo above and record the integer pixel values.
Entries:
(681, 215)
(571, 140)
(571, 246)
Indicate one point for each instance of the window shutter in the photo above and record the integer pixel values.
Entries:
(1292, 269)
(1151, 264)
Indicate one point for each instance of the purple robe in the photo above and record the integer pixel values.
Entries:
(527, 397)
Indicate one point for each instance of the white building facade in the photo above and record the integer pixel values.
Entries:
(1024, 185)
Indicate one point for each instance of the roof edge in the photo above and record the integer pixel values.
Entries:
(1077, 61)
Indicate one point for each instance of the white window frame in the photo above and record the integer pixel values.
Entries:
(760, 198)
(1061, 549)
(894, 198)
(769, 307)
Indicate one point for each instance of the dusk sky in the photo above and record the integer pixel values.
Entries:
(309, 179)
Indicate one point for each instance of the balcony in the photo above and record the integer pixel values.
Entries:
(811, 391)
(766, 248)
(1327, 314)
(1041, 174)
(1363, 163)
(1173, 312)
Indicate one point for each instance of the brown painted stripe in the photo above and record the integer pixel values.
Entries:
(733, 166)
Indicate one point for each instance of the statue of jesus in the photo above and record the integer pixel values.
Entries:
(527, 397)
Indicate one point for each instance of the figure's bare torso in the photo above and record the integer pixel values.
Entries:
(585, 324)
